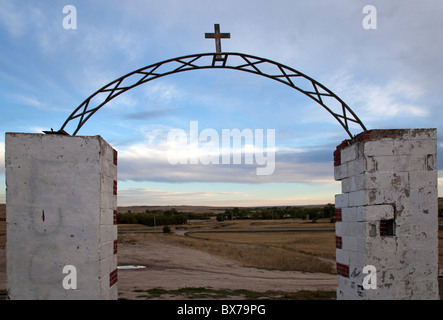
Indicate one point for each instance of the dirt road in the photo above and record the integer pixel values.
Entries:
(171, 267)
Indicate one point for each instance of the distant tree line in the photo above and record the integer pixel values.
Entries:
(173, 217)
(314, 213)
(153, 218)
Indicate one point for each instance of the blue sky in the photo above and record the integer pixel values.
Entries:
(390, 76)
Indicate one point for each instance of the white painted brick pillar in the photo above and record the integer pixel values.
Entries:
(61, 206)
(386, 216)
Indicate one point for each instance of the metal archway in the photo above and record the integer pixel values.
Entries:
(227, 60)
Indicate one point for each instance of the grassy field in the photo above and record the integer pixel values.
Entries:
(212, 224)
(308, 251)
(315, 243)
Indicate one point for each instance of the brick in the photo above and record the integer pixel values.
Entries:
(349, 153)
(338, 242)
(349, 243)
(402, 163)
(341, 172)
(341, 200)
(337, 158)
(108, 264)
(357, 258)
(395, 134)
(338, 152)
(113, 277)
(360, 214)
(115, 188)
(356, 167)
(107, 233)
(357, 198)
(105, 250)
(351, 229)
(338, 214)
(378, 212)
(360, 243)
(339, 228)
(115, 246)
(386, 180)
(353, 183)
(115, 156)
(108, 201)
(379, 148)
(419, 134)
(106, 216)
(408, 147)
(348, 214)
(370, 164)
(356, 229)
(364, 136)
(342, 229)
(382, 196)
(342, 256)
(343, 270)
(343, 145)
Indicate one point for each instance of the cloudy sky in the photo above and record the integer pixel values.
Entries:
(390, 75)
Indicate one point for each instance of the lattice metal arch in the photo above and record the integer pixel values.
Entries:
(228, 60)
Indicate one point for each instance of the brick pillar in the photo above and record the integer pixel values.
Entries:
(386, 216)
(60, 212)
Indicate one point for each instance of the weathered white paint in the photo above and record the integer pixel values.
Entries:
(60, 206)
(389, 174)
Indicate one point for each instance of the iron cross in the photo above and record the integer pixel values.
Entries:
(217, 36)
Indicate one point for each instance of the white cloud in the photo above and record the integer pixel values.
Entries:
(370, 100)
(163, 91)
(168, 197)
(13, 19)
(36, 129)
(153, 160)
(32, 101)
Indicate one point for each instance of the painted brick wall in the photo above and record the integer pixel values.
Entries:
(108, 223)
(386, 215)
(60, 211)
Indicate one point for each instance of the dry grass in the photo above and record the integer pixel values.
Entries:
(307, 251)
(264, 249)
(316, 243)
(212, 224)
(259, 224)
